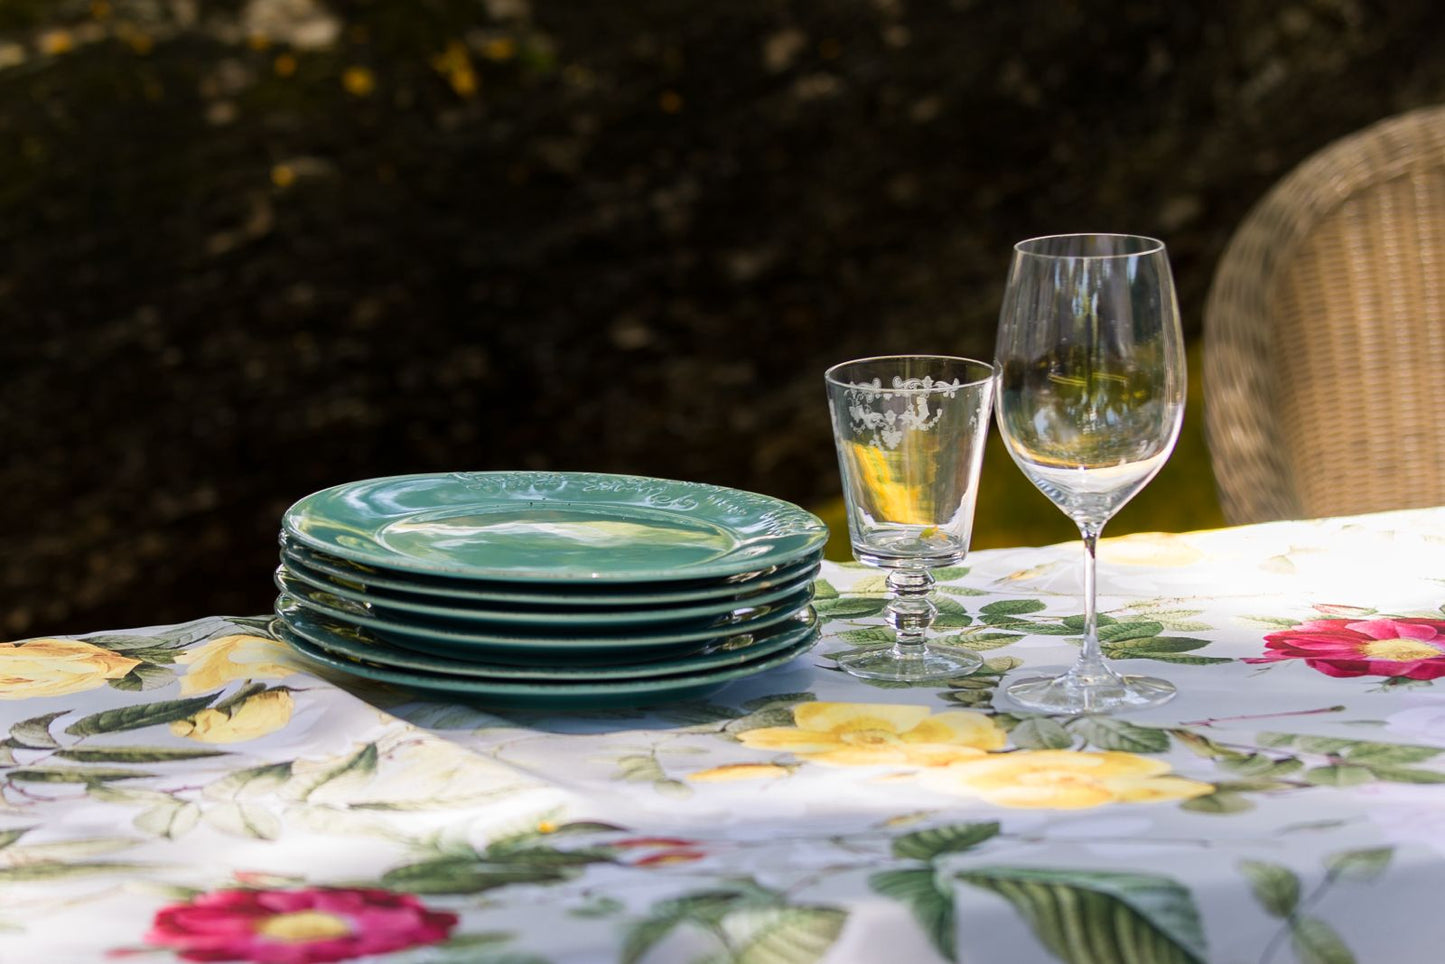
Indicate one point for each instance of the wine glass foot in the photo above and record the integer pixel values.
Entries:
(932, 663)
(1070, 694)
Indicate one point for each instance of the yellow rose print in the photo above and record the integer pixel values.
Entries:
(57, 667)
(870, 734)
(740, 771)
(1062, 779)
(217, 662)
(1155, 550)
(256, 716)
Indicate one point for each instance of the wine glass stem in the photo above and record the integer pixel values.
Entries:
(910, 611)
(1090, 664)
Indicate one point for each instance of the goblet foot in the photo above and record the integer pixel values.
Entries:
(905, 666)
(1089, 693)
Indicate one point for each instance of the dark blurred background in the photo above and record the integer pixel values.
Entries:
(252, 248)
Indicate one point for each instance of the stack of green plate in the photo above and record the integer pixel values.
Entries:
(548, 589)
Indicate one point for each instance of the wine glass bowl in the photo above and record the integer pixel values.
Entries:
(1091, 398)
(910, 431)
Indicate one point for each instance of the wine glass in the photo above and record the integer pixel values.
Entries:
(910, 431)
(1090, 401)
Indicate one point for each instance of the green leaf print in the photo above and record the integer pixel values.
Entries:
(980, 641)
(930, 904)
(705, 909)
(469, 875)
(1338, 776)
(1363, 752)
(8, 837)
(998, 665)
(1261, 766)
(1176, 658)
(248, 783)
(1276, 888)
(781, 935)
(137, 717)
(949, 839)
(1406, 775)
(1098, 917)
(120, 643)
(73, 775)
(34, 733)
(949, 607)
(354, 771)
(1170, 644)
(1012, 607)
(541, 857)
(753, 926)
(1041, 733)
(136, 754)
(146, 676)
(1389, 754)
(1132, 630)
(960, 591)
(1316, 942)
(1107, 733)
(1202, 745)
(873, 634)
(244, 819)
(849, 607)
(1363, 865)
(643, 935)
(1218, 802)
(170, 820)
(1036, 629)
(58, 870)
(1275, 741)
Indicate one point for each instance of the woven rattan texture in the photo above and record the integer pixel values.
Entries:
(1324, 333)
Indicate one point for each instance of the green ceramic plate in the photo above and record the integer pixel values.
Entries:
(572, 596)
(551, 695)
(350, 642)
(554, 527)
(461, 641)
(400, 607)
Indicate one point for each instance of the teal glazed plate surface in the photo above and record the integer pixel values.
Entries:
(589, 596)
(549, 695)
(553, 527)
(401, 607)
(351, 642)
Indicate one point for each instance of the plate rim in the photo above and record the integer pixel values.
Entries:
(519, 672)
(812, 532)
(606, 594)
(636, 617)
(556, 691)
(513, 643)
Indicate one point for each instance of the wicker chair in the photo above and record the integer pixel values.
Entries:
(1324, 333)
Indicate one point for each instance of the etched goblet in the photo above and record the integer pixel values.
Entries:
(910, 432)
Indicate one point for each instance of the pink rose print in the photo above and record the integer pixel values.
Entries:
(1402, 648)
(297, 926)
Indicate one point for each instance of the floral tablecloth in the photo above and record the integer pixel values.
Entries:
(198, 793)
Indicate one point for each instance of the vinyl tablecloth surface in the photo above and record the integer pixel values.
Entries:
(198, 792)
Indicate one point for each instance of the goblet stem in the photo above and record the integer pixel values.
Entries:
(910, 611)
(1091, 657)
(1090, 685)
